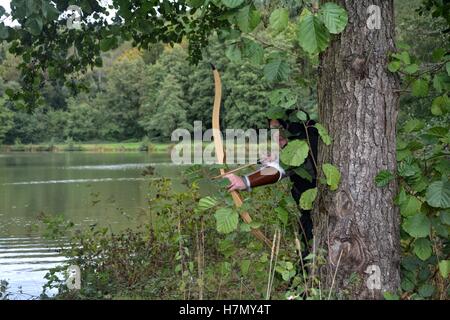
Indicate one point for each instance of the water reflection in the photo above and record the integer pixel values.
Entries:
(86, 188)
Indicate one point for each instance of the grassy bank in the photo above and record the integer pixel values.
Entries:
(89, 147)
(159, 147)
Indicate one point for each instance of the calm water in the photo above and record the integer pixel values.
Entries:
(85, 188)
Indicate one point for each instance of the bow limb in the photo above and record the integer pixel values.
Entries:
(220, 154)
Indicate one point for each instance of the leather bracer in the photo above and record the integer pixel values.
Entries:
(264, 176)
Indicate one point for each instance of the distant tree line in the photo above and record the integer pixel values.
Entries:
(137, 94)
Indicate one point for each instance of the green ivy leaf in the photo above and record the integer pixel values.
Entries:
(394, 66)
(4, 31)
(195, 3)
(107, 43)
(245, 266)
(302, 116)
(277, 69)
(49, 11)
(440, 105)
(334, 17)
(415, 145)
(413, 125)
(403, 57)
(295, 153)
(407, 284)
(307, 199)
(226, 247)
(390, 296)
(206, 203)
(253, 51)
(279, 19)
(313, 35)
(401, 197)
(226, 220)
(445, 217)
(420, 88)
(439, 82)
(418, 225)
(323, 133)
(440, 229)
(410, 206)
(408, 170)
(438, 54)
(383, 178)
(411, 69)
(444, 268)
(34, 25)
(332, 174)
(438, 194)
(233, 53)
(248, 18)
(422, 248)
(282, 214)
(426, 290)
(232, 3)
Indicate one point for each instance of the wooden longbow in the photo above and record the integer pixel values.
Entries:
(220, 154)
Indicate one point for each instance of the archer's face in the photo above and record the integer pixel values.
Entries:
(282, 141)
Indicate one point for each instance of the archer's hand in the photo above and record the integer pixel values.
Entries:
(236, 182)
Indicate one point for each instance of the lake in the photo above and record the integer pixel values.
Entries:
(86, 188)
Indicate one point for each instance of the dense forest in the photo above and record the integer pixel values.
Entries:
(135, 91)
(137, 94)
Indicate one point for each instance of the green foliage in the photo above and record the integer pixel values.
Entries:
(232, 3)
(332, 174)
(166, 89)
(313, 35)
(206, 203)
(410, 205)
(323, 133)
(82, 121)
(444, 268)
(423, 170)
(6, 120)
(422, 248)
(334, 17)
(279, 19)
(248, 18)
(438, 194)
(314, 28)
(307, 198)
(295, 153)
(226, 220)
(276, 69)
(383, 178)
(162, 258)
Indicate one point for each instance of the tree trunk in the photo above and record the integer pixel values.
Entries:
(358, 224)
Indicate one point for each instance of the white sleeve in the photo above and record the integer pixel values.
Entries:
(275, 164)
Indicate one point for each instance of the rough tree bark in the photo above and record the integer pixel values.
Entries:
(358, 225)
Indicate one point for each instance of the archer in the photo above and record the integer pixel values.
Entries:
(271, 171)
